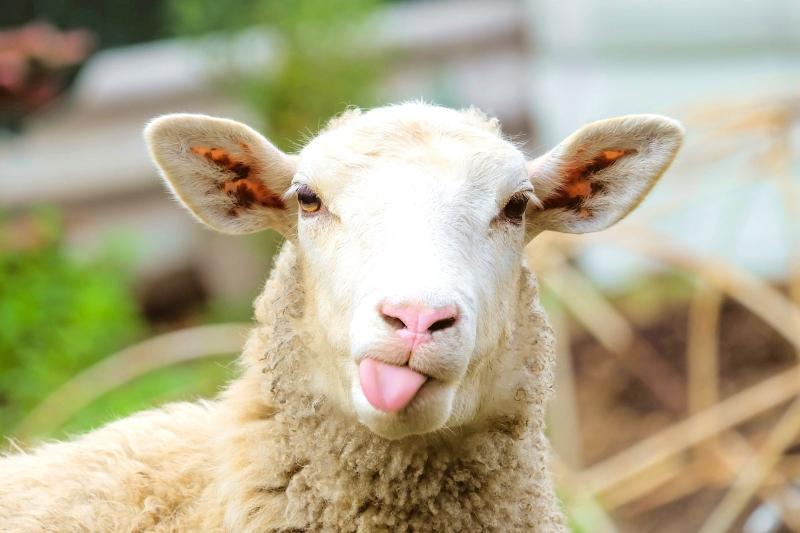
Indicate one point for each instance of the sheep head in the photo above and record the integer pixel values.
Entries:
(409, 223)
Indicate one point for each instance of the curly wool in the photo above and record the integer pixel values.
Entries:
(270, 455)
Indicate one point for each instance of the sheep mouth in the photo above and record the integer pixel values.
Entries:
(389, 388)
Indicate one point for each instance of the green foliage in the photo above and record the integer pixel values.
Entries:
(187, 381)
(325, 65)
(57, 314)
(584, 515)
(114, 23)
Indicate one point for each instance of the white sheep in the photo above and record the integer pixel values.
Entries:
(397, 377)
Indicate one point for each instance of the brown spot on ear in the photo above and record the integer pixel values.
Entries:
(603, 161)
(247, 192)
(220, 157)
(577, 185)
(611, 155)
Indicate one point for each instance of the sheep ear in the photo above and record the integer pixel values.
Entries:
(227, 174)
(600, 173)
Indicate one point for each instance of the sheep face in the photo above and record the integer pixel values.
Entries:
(411, 233)
(409, 224)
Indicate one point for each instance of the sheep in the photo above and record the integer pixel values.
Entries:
(399, 369)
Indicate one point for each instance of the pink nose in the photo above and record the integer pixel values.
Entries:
(418, 321)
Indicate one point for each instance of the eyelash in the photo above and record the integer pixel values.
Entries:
(514, 210)
(308, 201)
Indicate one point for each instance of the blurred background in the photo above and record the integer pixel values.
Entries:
(678, 405)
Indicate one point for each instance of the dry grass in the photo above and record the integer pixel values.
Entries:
(124, 366)
(705, 449)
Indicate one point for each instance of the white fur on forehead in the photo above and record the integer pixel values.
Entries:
(411, 122)
(414, 133)
(455, 146)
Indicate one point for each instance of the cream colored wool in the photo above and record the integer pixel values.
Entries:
(287, 447)
(268, 456)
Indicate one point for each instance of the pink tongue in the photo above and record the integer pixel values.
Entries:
(388, 387)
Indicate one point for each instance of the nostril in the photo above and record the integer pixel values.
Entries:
(393, 321)
(417, 319)
(442, 324)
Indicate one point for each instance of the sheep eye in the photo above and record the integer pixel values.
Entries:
(308, 200)
(515, 208)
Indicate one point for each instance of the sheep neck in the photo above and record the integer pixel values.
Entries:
(333, 471)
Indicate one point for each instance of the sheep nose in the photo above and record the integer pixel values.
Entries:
(419, 320)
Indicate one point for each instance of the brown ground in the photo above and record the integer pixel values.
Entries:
(617, 409)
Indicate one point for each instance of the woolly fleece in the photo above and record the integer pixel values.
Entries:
(267, 455)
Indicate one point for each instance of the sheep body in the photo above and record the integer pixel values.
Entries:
(271, 455)
(422, 210)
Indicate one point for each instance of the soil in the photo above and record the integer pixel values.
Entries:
(617, 409)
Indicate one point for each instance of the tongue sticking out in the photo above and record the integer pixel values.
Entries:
(388, 387)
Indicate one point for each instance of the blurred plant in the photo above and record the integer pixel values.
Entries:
(114, 23)
(177, 365)
(325, 64)
(37, 61)
(57, 315)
